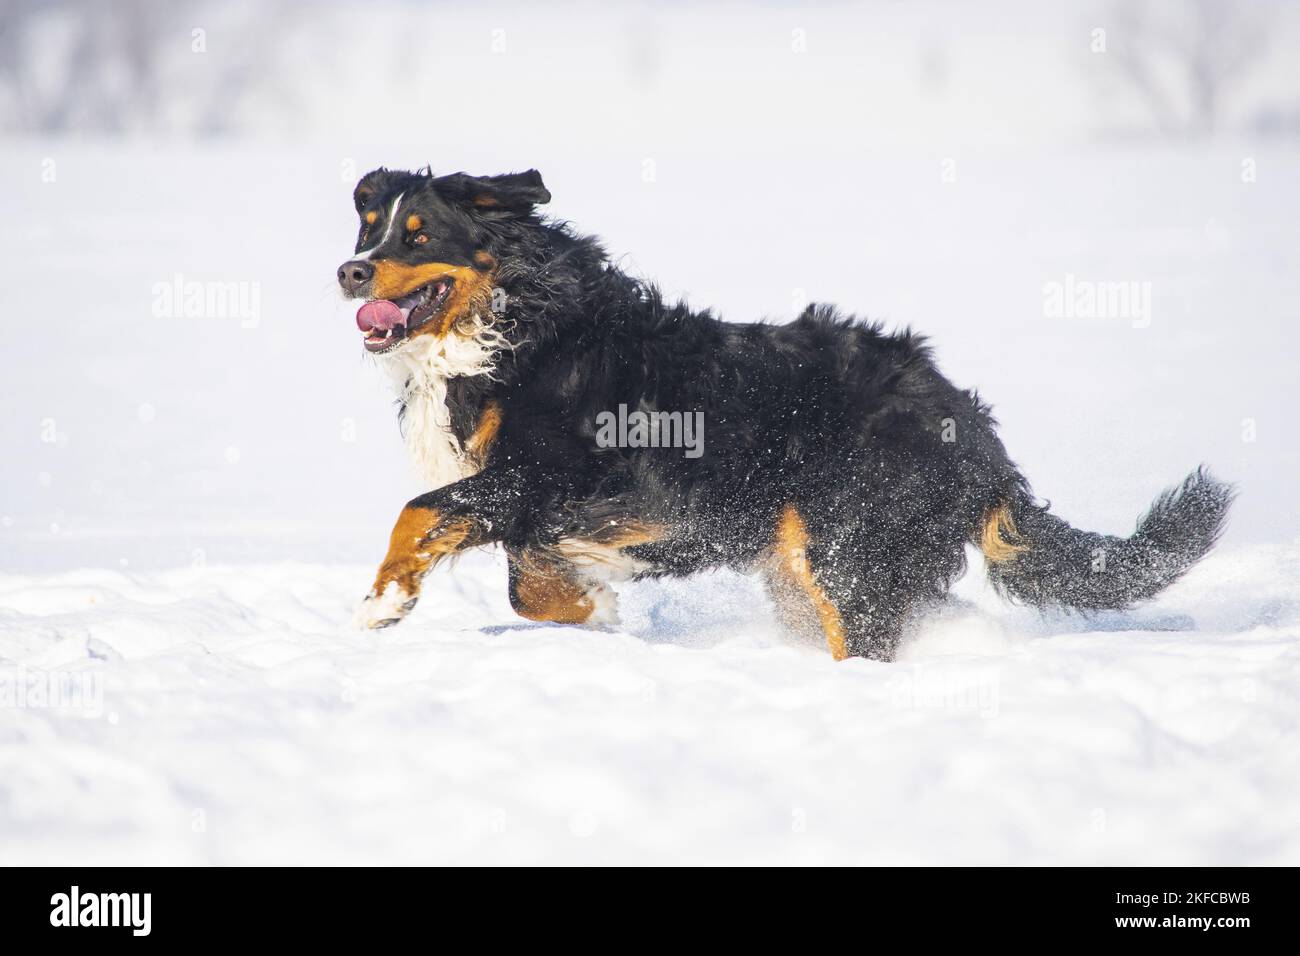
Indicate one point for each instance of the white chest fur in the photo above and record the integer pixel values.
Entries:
(420, 371)
(432, 445)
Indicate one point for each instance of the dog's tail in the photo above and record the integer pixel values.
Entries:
(1035, 557)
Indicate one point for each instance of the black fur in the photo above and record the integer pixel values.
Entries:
(1070, 568)
(893, 469)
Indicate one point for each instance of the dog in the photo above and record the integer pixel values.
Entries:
(833, 457)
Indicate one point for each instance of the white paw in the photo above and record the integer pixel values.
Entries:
(386, 609)
(604, 612)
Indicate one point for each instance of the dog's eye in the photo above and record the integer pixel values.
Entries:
(419, 239)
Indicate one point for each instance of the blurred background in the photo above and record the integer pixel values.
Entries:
(182, 382)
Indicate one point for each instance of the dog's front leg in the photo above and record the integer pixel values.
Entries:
(477, 510)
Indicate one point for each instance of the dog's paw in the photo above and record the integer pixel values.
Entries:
(604, 608)
(385, 608)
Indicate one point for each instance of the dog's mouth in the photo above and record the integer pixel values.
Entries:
(387, 323)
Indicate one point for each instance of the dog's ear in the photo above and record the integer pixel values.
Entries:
(369, 186)
(508, 193)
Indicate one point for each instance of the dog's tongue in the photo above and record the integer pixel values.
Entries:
(381, 315)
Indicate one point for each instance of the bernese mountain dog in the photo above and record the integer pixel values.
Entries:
(548, 397)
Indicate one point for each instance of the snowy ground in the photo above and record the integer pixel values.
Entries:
(191, 505)
(227, 716)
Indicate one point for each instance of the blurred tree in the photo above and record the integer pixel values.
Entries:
(1184, 60)
(131, 65)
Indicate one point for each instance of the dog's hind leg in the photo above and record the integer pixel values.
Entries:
(797, 590)
(856, 600)
(543, 588)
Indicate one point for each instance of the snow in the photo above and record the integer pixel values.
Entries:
(240, 720)
(192, 506)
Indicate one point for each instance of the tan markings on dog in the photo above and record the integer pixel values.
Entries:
(421, 538)
(484, 259)
(413, 222)
(396, 279)
(485, 432)
(371, 217)
(791, 555)
(999, 539)
(470, 296)
(471, 289)
(486, 202)
(545, 591)
(604, 547)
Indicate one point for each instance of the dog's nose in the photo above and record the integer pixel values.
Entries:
(353, 275)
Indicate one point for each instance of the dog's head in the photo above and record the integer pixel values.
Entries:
(423, 259)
